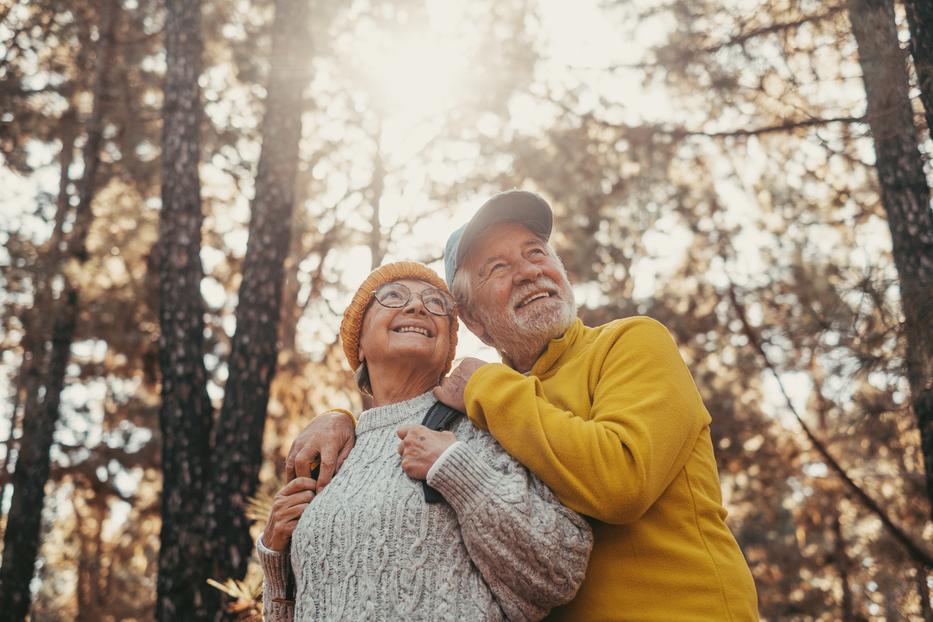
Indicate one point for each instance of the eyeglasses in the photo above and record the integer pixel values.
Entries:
(396, 296)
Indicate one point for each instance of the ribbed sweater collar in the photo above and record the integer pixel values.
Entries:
(556, 349)
(393, 414)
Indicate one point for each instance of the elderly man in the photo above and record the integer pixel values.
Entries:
(608, 417)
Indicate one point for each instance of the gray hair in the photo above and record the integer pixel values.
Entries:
(462, 286)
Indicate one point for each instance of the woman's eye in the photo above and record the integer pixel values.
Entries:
(496, 267)
(392, 297)
(536, 251)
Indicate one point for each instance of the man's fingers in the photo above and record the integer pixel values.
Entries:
(294, 455)
(404, 430)
(442, 392)
(305, 461)
(328, 466)
(344, 452)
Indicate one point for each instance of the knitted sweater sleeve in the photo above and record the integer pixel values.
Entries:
(531, 550)
(276, 606)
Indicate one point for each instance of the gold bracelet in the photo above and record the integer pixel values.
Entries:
(345, 412)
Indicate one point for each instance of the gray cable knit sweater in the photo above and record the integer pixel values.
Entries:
(370, 548)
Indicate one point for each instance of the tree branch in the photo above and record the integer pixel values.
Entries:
(918, 553)
(742, 38)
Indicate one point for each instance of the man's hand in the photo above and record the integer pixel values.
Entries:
(421, 447)
(287, 507)
(326, 441)
(451, 389)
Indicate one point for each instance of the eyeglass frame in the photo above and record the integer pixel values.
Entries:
(450, 299)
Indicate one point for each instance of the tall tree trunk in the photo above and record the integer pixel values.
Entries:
(238, 438)
(47, 370)
(842, 565)
(35, 321)
(906, 198)
(920, 19)
(923, 591)
(21, 540)
(376, 188)
(186, 413)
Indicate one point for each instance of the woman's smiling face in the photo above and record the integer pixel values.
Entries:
(407, 332)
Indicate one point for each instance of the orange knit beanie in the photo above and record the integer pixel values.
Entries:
(352, 322)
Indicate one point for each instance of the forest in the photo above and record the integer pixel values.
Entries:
(190, 192)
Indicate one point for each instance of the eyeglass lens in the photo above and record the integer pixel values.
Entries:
(396, 295)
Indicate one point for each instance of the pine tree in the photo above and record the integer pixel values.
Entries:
(51, 349)
(253, 359)
(920, 19)
(186, 413)
(905, 194)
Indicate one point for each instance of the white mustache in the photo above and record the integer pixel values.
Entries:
(542, 282)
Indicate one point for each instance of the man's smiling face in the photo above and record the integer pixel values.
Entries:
(519, 291)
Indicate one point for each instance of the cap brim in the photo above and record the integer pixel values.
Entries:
(519, 206)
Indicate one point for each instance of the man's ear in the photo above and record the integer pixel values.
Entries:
(476, 326)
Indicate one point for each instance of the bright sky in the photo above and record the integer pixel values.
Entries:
(413, 80)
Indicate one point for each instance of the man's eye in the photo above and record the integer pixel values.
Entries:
(497, 266)
(536, 251)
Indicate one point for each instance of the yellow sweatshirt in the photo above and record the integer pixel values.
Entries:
(612, 421)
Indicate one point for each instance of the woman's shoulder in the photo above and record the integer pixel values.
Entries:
(465, 430)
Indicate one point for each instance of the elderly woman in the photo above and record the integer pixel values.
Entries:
(369, 547)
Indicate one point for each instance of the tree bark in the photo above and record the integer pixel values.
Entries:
(376, 188)
(920, 20)
(842, 562)
(36, 320)
(45, 377)
(238, 437)
(924, 593)
(905, 195)
(21, 540)
(185, 414)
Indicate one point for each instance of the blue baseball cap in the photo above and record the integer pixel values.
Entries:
(519, 206)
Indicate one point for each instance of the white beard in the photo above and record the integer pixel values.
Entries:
(521, 337)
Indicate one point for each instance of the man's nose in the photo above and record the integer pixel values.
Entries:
(527, 271)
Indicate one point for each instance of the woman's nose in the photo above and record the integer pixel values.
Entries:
(415, 306)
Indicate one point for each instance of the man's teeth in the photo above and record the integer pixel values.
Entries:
(413, 329)
(533, 297)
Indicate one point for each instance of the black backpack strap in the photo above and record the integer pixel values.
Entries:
(439, 417)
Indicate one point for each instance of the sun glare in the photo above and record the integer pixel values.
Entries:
(414, 75)
(419, 78)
